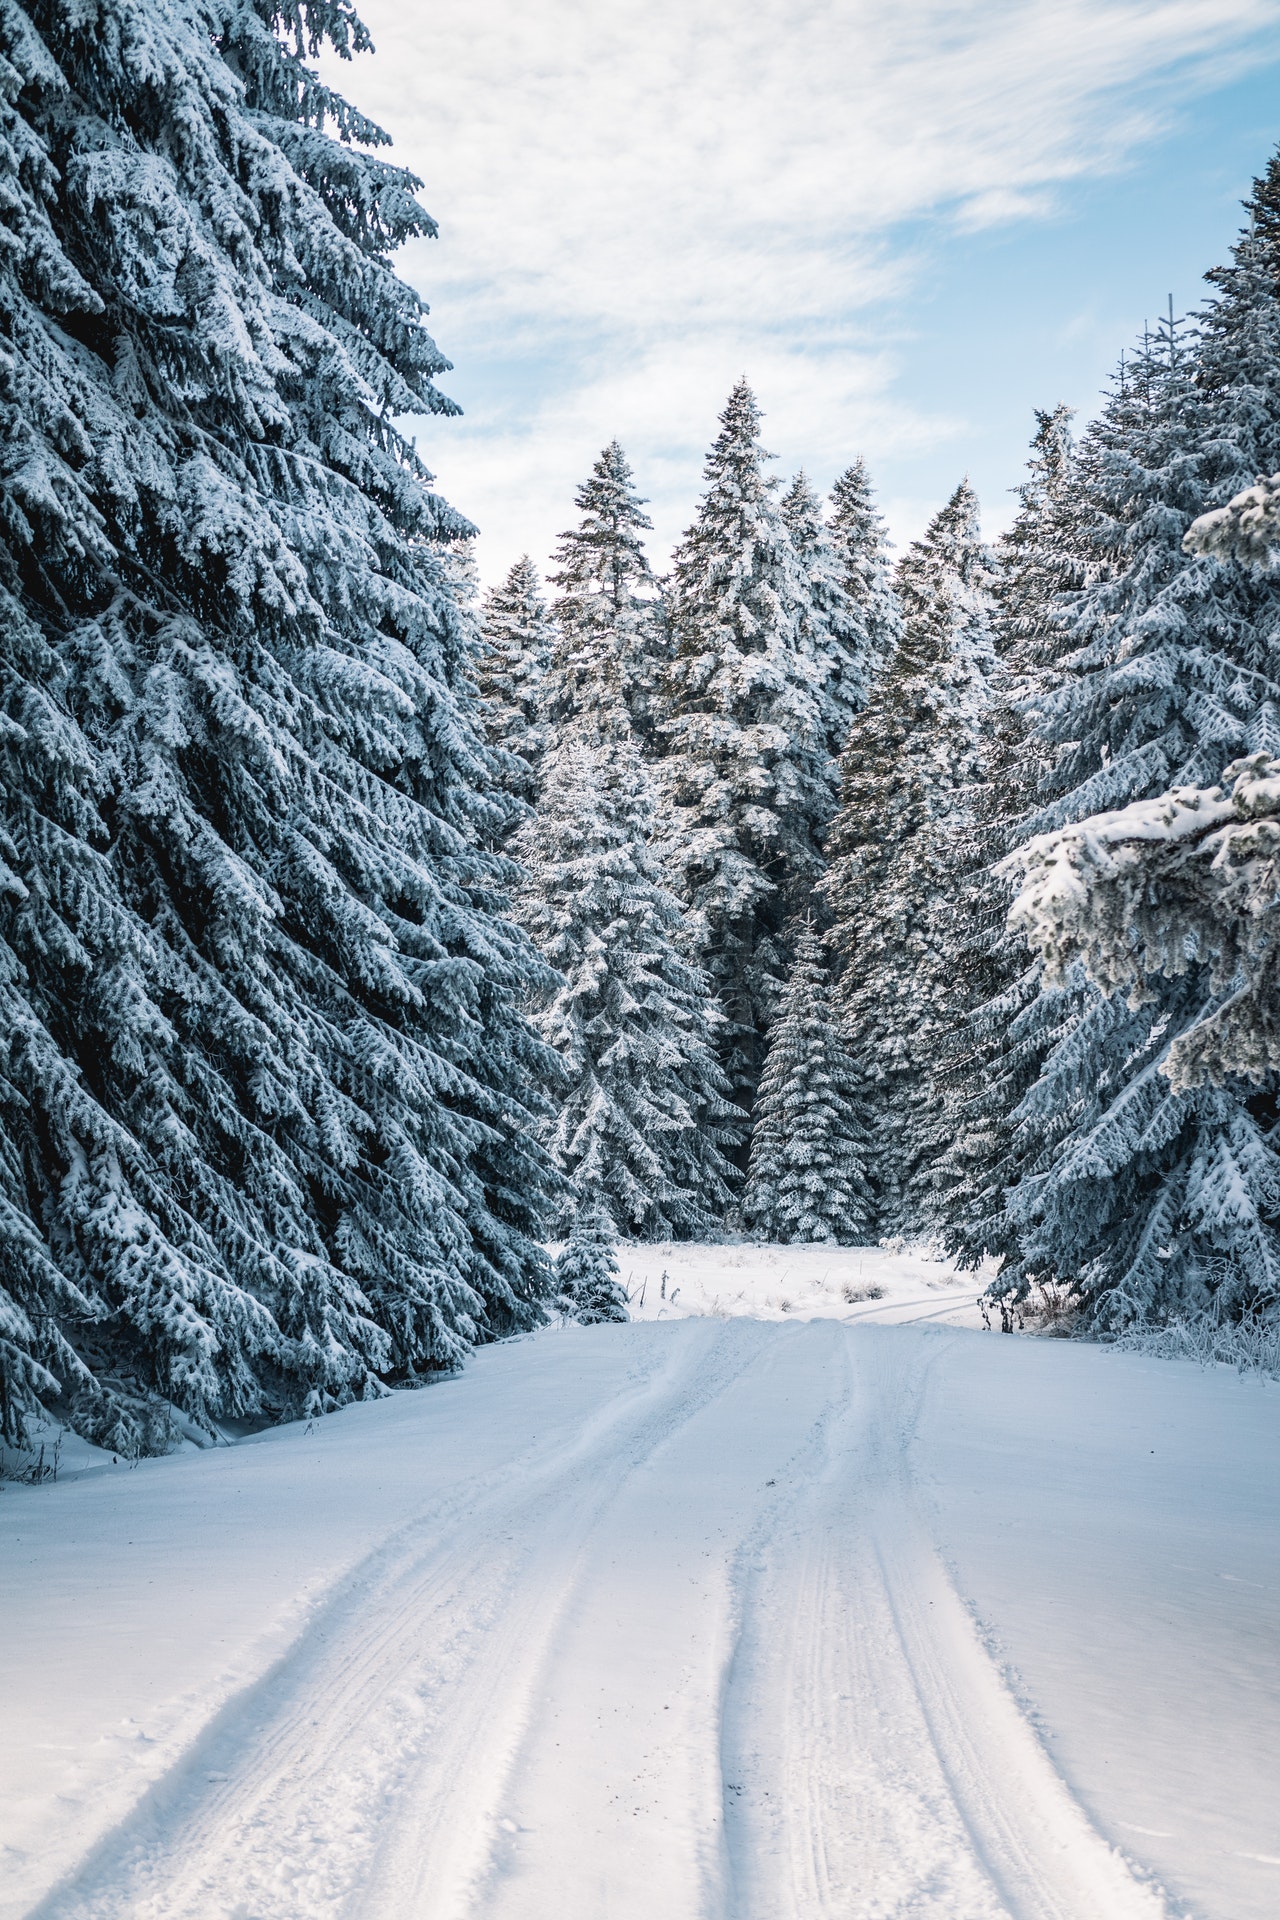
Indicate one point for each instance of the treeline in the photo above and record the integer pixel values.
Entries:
(812, 783)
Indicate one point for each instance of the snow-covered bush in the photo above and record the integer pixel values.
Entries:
(1250, 1344)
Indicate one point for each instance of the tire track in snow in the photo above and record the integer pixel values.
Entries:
(876, 1764)
(615, 1800)
(414, 1674)
(900, 1313)
(701, 1662)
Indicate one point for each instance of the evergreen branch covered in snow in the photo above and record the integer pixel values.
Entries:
(1187, 879)
(1247, 528)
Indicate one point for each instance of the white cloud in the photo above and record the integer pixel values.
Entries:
(638, 201)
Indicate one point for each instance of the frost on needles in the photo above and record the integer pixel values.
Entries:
(267, 1098)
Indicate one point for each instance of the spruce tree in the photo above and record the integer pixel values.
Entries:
(587, 1268)
(516, 636)
(1149, 1195)
(996, 1052)
(910, 773)
(833, 628)
(644, 1120)
(746, 763)
(611, 641)
(268, 1099)
(807, 1178)
(860, 541)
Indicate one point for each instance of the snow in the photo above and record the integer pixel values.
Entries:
(736, 1611)
(799, 1282)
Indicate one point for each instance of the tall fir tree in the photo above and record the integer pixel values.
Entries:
(910, 775)
(267, 1098)
(833, 627)
(642, 1129)
(860, 541)
(810, 1139)
(746, 765)
(516, 636)
(1148, 1195)
(996, 1052)
(611, 642)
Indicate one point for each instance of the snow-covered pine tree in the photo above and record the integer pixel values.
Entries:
(587, 1268)
(611, 640)
(644, 1121)
(995, 1054)
(807, 1178)
(909, 774)
(268, 1098)
(516, 635)
(746, 764)
(1150, 1197)
(834, 630)
(861, 543)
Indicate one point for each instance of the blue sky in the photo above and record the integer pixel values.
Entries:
(1036, 311)
(909, 226)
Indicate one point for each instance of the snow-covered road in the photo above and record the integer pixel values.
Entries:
(625, 1623)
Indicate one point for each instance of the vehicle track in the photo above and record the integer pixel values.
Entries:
(702, 1661)
(906, 1782)
(414, 1674)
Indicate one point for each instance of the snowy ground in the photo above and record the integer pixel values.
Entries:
(800, 1283)
(734, 1618)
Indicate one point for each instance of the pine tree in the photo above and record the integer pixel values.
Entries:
(909, 774)
(611, 646)
(833, 628)
(587, 1268)
(644, 1122)
(860, 542)
(267, 1098)
(809, 1145)
(997, 1051)
(1148, 1195)
(746, 767)
(516, 640)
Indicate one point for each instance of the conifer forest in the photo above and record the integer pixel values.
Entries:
(379, 957)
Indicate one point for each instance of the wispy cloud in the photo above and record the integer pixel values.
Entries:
(637, 201)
